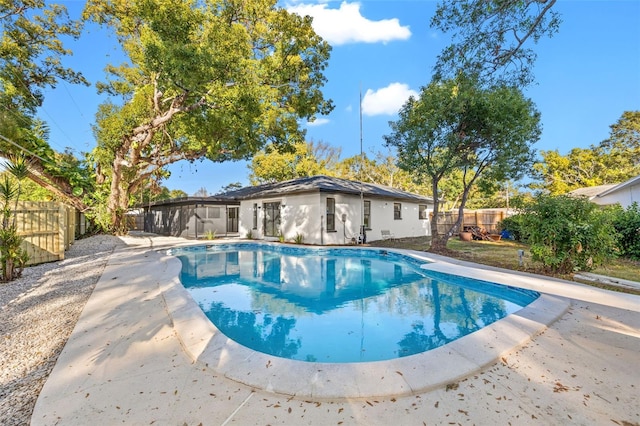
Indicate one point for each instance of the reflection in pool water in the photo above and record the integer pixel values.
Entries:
(337, 305)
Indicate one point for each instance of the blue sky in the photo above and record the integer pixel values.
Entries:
(587, 75)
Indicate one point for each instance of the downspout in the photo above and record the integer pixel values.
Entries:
(321, 230)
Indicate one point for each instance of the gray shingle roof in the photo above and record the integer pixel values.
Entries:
(322, 184)
(591, 191)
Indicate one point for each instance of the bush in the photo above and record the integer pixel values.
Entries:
(513, 225)
(627, 225)
(568, 234)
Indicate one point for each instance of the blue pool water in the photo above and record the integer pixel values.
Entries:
(338, 305)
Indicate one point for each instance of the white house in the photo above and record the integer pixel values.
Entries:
(625, 193)
(326, 210)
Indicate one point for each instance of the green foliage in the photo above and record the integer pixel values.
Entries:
(490, 37)
(249, 234)
(613, 160)
(279, 163)
(12, 256)
(513, 225)
(208, 79)
(230, 187)
(30, 51)
(210, 234)
(627, 224)
(457, 127)
(380, 170)
(568, 234)
(176, 193)
(299, 238)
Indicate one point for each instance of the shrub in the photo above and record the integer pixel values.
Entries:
(627, 224)
(513, 225)
(299, 238)
(210, 235)
(12, 256)
(568, 234)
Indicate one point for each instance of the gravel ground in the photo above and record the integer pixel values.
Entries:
(37, 314)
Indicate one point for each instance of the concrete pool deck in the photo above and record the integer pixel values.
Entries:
(142, 352)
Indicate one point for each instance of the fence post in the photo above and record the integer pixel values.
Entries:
(62, 230)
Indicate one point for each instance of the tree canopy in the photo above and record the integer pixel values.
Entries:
(490, 37)
(205, 79)
(276, 164)
(457, 126)
(614, 160)
(31, 52)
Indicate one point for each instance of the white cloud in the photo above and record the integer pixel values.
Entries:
(347, 25)
(386, 101)
(318, 122)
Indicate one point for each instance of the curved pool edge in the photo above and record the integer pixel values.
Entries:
(206, 345)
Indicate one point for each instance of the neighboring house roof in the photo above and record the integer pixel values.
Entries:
(602, 190)
(322, 184)
(631, 182)
(591, 191)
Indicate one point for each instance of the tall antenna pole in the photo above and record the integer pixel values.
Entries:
(361, 167)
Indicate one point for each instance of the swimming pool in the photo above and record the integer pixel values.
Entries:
(338, 305)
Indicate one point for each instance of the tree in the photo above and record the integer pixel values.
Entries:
(279, 163)
(623, 144)
(457, 126)
(30, 52)
(490, 37)
(207, 79)
(202, 192)
(614, 160)
(380, 170)
(31, 49)
(230, 187)
(176, 193)
(485, 194)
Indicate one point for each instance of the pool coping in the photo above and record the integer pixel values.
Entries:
(414, 374)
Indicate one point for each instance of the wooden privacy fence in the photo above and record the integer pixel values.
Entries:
(487, 219)
(48, 229)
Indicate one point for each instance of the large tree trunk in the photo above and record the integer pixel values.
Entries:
(118, 201)
(438, 241)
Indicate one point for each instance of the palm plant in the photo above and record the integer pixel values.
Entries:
(12, 256)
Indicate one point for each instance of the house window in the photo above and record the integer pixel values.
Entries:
(255, 215)
(422, 211)
(232, 219)
(331, 214)
(213, 212)
(367, 215)
(271, 219)
(397, 211)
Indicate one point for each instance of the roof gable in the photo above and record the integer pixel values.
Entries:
(631, 182)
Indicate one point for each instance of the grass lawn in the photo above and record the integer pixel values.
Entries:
(504, 254)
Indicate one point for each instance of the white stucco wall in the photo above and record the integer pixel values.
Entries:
(410, 225)
(298, 214)
(305, 214)
(625, 197)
